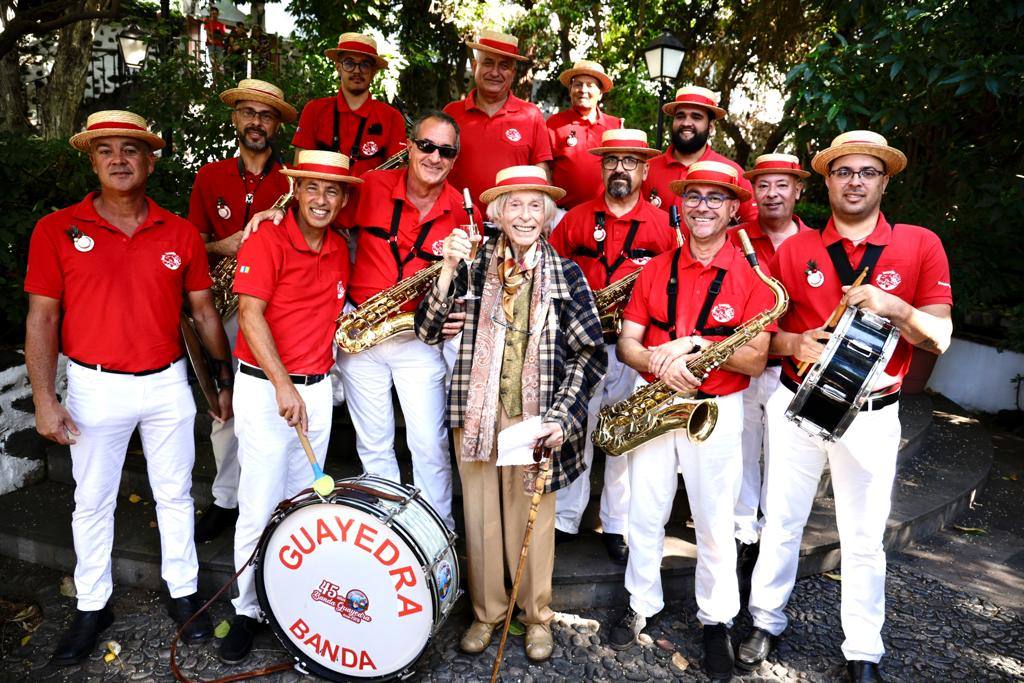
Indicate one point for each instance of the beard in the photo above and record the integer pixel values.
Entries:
(697, 142)
(257, 146)
(620, 185)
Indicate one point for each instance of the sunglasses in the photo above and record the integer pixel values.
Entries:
(428, 147)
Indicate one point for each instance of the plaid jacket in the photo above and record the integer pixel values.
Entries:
(572, 353)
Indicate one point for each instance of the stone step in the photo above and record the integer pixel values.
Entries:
(941, 470)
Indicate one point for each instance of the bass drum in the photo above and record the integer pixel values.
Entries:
(356, 584)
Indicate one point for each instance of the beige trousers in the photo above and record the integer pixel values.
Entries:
(496, 509)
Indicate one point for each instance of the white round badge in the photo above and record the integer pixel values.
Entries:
(370, 148)
(815, 278)
(224, 211)
(888, 280)
(171, 260)
(513, 135)
(599, 234)
(572, 141)
(656, 201)
(723, 313)
(84, 243)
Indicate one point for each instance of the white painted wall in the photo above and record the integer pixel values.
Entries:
(978, 376)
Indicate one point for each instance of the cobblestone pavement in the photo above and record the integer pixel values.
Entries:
(933, 631)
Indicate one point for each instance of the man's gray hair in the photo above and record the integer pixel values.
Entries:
(435, 115)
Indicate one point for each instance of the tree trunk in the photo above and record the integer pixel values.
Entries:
(13, 106)
(61, 98)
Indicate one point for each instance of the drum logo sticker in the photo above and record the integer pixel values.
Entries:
(723, 313)
(443, 577)
(352, 606)
(888, 280)
(437, 248)
(171, 260)
(513, 135)
(370, 148)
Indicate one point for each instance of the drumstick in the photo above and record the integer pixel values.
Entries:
(323, 484)
(833, 320)
(538, 491)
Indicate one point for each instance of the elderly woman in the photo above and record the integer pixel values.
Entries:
(531, 346)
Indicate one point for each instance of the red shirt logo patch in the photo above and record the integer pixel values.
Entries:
(888, 280)
(723, 313)
(171, 260)
(437, 248)
(370, 148)
(513, 135)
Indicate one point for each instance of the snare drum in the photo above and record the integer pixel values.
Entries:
(355, 587)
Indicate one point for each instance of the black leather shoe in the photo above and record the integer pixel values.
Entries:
(564, 537)
(214, 522)
(237, 644)
(79, 640)
(719, 660)
(624, 631)
(618, 550)
(754, 648)
(863, 672)
(201, 629)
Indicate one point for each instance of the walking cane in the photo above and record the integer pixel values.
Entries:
(543, 455)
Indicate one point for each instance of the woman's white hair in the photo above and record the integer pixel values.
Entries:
(496, 209)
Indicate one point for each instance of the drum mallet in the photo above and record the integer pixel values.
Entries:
(323, 484)
(544, 455)
(831, 323)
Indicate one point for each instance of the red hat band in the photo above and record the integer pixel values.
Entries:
(779, 164)
(695, 176)
(356, 46)
(624, 143)
(321, 168)
(114, 124)
(693, 98)
(523, 180)
(498, 45)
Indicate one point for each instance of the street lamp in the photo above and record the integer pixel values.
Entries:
(134, 46)
(664, 57)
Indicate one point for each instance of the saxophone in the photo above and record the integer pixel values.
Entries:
(611, 300)
(656, 409)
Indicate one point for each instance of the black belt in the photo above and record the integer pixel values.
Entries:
(774, 362)
(141, 373)
(296, 379)
(876, 401)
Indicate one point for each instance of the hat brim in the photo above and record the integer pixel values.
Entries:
(638, 151)
(488, 196)
(80, 141)
(332, 54)
(492, 50)
(798, 172)
(338, 178)
(894, 160)
(679, 186)
(670, 108)
(233, 96)
(566, 77)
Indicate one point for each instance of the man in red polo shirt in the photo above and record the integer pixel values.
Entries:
(692, 122)
(498, 129)
(216, 37)
(683, 301)
(908, 283)
(577, 130)
(352, 122)
(224, 196)
(778, 181)
(403, 217)
(291, 282)
(106, 281)
(610, 237)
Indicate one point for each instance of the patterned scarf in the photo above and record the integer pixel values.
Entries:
(513, 273)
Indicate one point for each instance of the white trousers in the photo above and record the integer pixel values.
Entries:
(417, 371)
(711, 473)
(572, 500)
(274, 465)
(107, 407)
(863, 466)
(225, 443)
(755, 396)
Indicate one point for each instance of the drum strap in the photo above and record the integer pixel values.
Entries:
(709, 301)
(847, 274)
(670, 291)
(392, 239)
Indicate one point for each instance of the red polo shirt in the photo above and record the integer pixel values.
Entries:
(573, 167)
(375, 268)
(573, 238)
(912, 266)
(216, 32)
(741, 298)
(664, 168)
(304, 291)
(222, 187)
(122, 298)
(761, 242)
(514, 136)
(383, 130)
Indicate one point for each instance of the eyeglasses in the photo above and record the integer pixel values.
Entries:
(365, 66)
(844, 173)
(610, 163)
(500, 320)
(713, 201)
(249, 114)
(429, 147)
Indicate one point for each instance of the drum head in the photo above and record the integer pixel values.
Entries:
(344, 593)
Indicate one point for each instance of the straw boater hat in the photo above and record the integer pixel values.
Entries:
(359, 43)
(497, 43)
(776, 163)
(515, 178)
(115, 123)
(860, 142)
(586, 68)
(619, 140)
(711, 173)
(695, 96)
(260, 91)
(313, 163)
